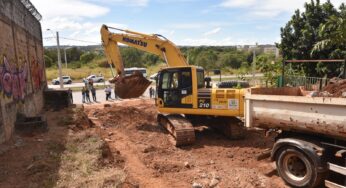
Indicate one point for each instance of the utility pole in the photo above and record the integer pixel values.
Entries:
(59, 61)
(65, 58)
(254, 62)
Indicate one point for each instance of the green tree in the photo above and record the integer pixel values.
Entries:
(131, 57)
(48, 61)
(207, 60)
(150, 59)
(300, 34)
(333, 35)
(87, 57)
(73, 54)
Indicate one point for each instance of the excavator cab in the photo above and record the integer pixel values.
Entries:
(175, 86)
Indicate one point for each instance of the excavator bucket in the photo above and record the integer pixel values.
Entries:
(132, 86)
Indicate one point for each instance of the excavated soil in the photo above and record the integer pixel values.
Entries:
(336, 87)
(150, 160)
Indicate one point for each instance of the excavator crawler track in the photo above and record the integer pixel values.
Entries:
(179, 128)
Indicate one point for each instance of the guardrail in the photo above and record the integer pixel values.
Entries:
(310, 83)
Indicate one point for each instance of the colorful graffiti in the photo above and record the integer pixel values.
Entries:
(13, 79)
(37, 74)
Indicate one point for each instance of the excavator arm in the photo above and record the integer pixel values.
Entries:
(155, 44)
(135, 85)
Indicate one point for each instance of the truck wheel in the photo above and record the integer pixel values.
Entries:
(296, 169)
(101, 80)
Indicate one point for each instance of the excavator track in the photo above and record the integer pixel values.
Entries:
(181, 130)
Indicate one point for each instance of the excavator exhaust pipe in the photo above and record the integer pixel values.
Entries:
(132, 86)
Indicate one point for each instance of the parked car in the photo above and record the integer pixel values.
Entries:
(94, 78)
(66, 80)
(153, 77)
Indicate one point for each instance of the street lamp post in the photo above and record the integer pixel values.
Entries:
(59, 61)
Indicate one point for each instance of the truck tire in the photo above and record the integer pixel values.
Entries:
(101, 80)
(296, 168)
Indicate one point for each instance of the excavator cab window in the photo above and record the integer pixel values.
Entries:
(200, 78)
(173, 86)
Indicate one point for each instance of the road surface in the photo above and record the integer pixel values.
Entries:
(79, 84)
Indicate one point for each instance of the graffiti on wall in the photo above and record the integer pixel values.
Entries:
(13, 79)
(37, 74)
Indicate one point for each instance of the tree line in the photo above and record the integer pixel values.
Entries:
(318, 32)
(208, 57)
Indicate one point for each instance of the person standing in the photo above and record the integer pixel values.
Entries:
(87, 95)
(83, 94)
(93, 93)
(108, 92)
(151, 92)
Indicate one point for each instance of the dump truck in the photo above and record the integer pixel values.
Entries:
(310, 146)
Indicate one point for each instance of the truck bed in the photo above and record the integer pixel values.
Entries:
(288, 110)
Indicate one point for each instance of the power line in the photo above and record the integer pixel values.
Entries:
(71, 39)
(80, 40)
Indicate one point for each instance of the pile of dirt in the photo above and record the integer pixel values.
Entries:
(335, 88)
(76, 119)
(130, 114)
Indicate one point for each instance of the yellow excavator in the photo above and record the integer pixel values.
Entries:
(184, 96)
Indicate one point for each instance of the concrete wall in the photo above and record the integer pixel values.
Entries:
(22, 70)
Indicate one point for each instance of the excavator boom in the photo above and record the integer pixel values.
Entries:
(135, 85)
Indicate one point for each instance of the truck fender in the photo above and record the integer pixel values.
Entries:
(312, 150)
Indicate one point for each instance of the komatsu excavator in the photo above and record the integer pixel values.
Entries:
(183, 99)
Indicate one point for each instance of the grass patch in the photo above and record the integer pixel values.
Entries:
(80, 166)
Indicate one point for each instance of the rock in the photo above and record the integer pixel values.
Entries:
(187, 165)
(197, 185)
(216, 177)
(19, 143)
(230, 156)
(214, 182)
(110, 133)
(343, 95)
(211, 162)
(148, 149)
(107, 105)
(204, 175)
(108, 140)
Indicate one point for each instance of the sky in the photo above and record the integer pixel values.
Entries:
(185, 22)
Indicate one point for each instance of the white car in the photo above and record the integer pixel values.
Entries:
(153, 77)
(94, 78)
(66, 80)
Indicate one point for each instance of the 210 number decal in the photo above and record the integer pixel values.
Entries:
(204, 103)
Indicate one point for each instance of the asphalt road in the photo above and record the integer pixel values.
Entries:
(106, 83)
(79, 84)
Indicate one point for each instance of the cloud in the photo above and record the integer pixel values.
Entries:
(228, 41)
(187, 26)
(72, 8)
(139, 3)
(269, 8)
(212, 32)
